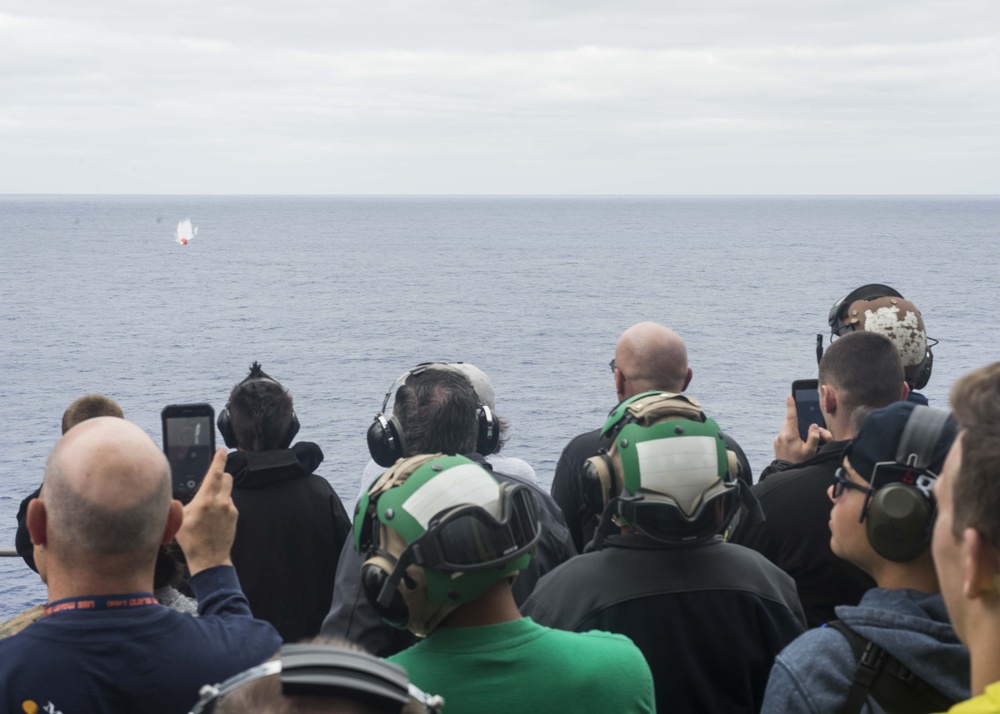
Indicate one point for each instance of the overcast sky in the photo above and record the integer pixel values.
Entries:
(502, 97)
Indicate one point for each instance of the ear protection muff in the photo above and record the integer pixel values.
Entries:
(922, 374)
(899, 517)
(872, 291)
(225, 421)
(385, 434)
(600, 482)
(488, 437)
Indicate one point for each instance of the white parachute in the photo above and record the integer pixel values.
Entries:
(185, 232)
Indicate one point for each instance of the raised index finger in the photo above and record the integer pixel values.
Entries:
(214, 483)
(791, 413)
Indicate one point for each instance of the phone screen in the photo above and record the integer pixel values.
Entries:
(189, 443)
(806, 394)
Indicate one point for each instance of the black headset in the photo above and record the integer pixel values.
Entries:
(873, 291)
(386, 442)
(899, 517)
(325, 670)
(225, 420)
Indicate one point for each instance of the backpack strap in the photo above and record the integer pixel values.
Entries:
(884, 677)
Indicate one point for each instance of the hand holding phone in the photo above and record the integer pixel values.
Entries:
(798, 441)
(806, 395)
(189, 443)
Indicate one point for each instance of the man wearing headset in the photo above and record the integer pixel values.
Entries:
(966, 541)
(436, 409)
(709, 616)
(292, 524)
(442, 538)
(897, 647)
(647, 356)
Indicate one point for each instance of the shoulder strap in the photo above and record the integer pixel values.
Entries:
(892, 685)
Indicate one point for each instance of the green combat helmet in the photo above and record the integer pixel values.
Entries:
(667, 473)
(436, 532)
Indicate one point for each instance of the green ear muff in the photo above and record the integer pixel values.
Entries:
(899, 522)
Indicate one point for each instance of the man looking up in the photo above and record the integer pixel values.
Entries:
(105, 644)
(883, 510)
(648, 357)
(292, 524)
(859, 372)
(966, 542)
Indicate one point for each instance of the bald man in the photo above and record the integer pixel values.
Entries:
(105, 643)
(648, 356)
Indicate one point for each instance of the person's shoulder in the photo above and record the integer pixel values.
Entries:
(818, 467)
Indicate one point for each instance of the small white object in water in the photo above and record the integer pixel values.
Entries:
(185, 232)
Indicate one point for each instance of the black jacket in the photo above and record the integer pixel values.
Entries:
(354, 619)
(796, 535)
(567, 484)
(710, 619)
(291, 529)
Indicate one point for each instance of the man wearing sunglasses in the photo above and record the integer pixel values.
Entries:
(896, 648)
(647, 356)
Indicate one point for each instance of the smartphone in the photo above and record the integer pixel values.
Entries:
(189, 443)
(806, 395)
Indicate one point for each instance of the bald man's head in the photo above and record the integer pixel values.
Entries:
(650, 356)
(107, 492)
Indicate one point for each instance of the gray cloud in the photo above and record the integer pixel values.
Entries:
(547, 97)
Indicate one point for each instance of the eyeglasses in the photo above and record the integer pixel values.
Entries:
(613, 365)
(841, 483)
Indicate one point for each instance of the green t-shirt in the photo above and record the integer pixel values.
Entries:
(523, 667)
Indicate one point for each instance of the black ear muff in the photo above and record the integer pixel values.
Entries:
(488, 437)
(385, 440)
(600, 483)
(922, 374)
(899, 521)
(392, 609)
(225, 424)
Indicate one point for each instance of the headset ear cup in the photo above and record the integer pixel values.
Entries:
(385, 441)
(225, 424)
(373, 578)
(923, 374)
(899, 522)
(293, 429)
(488, 437)
(600, 484)
(734, 465)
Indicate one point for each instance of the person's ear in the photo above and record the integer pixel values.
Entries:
(906, 392)
(174, 520)
(828, 398)
(687, 380)
(619, 384)
(36, 520)
(982, 566)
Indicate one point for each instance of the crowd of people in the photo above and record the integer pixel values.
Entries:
(861, 572)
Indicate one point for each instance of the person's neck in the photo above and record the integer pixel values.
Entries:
(63, 583)
(916, 575)
(493, 607)
(985, 656)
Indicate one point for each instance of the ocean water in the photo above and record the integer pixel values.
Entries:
(337, 297)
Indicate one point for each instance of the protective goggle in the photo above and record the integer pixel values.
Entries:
(665, 522)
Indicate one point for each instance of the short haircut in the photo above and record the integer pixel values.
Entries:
(437, 410)
(88, 407)
(98, 530)
(260, 411)
(975, 399)
(865, 368)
